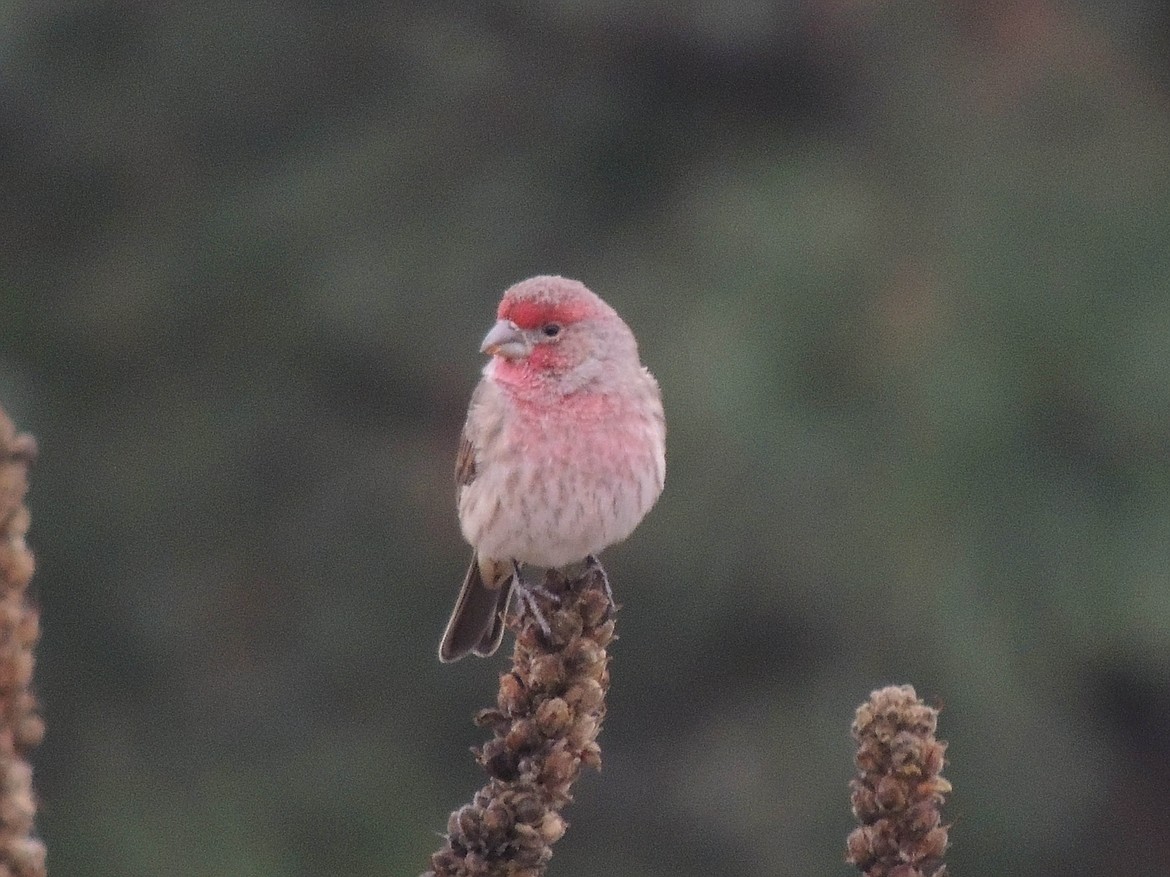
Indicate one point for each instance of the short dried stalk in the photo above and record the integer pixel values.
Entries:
(547, 716)
(21, 728)
(898, 788)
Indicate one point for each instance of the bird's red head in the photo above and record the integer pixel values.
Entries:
(555, 328)
(547, 301)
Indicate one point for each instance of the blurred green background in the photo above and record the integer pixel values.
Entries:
(902, 269)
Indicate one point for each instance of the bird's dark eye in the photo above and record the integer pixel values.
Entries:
(551, 330)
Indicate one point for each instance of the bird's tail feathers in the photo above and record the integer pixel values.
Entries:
(477, 621)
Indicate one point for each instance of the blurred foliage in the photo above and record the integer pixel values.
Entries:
(902, 270)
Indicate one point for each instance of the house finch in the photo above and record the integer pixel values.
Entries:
(563, 451)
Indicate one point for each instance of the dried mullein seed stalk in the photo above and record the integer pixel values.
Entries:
(547, 716)
(21, 727)
(899, 788)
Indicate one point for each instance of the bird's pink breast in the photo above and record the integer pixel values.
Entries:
(563, 480)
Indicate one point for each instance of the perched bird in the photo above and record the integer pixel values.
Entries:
(563, 452)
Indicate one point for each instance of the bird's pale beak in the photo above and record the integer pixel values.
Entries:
(505, 339)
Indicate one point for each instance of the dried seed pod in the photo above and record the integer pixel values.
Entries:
(546, 672)
(552, 827)
(553, 716)
(512, 696)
